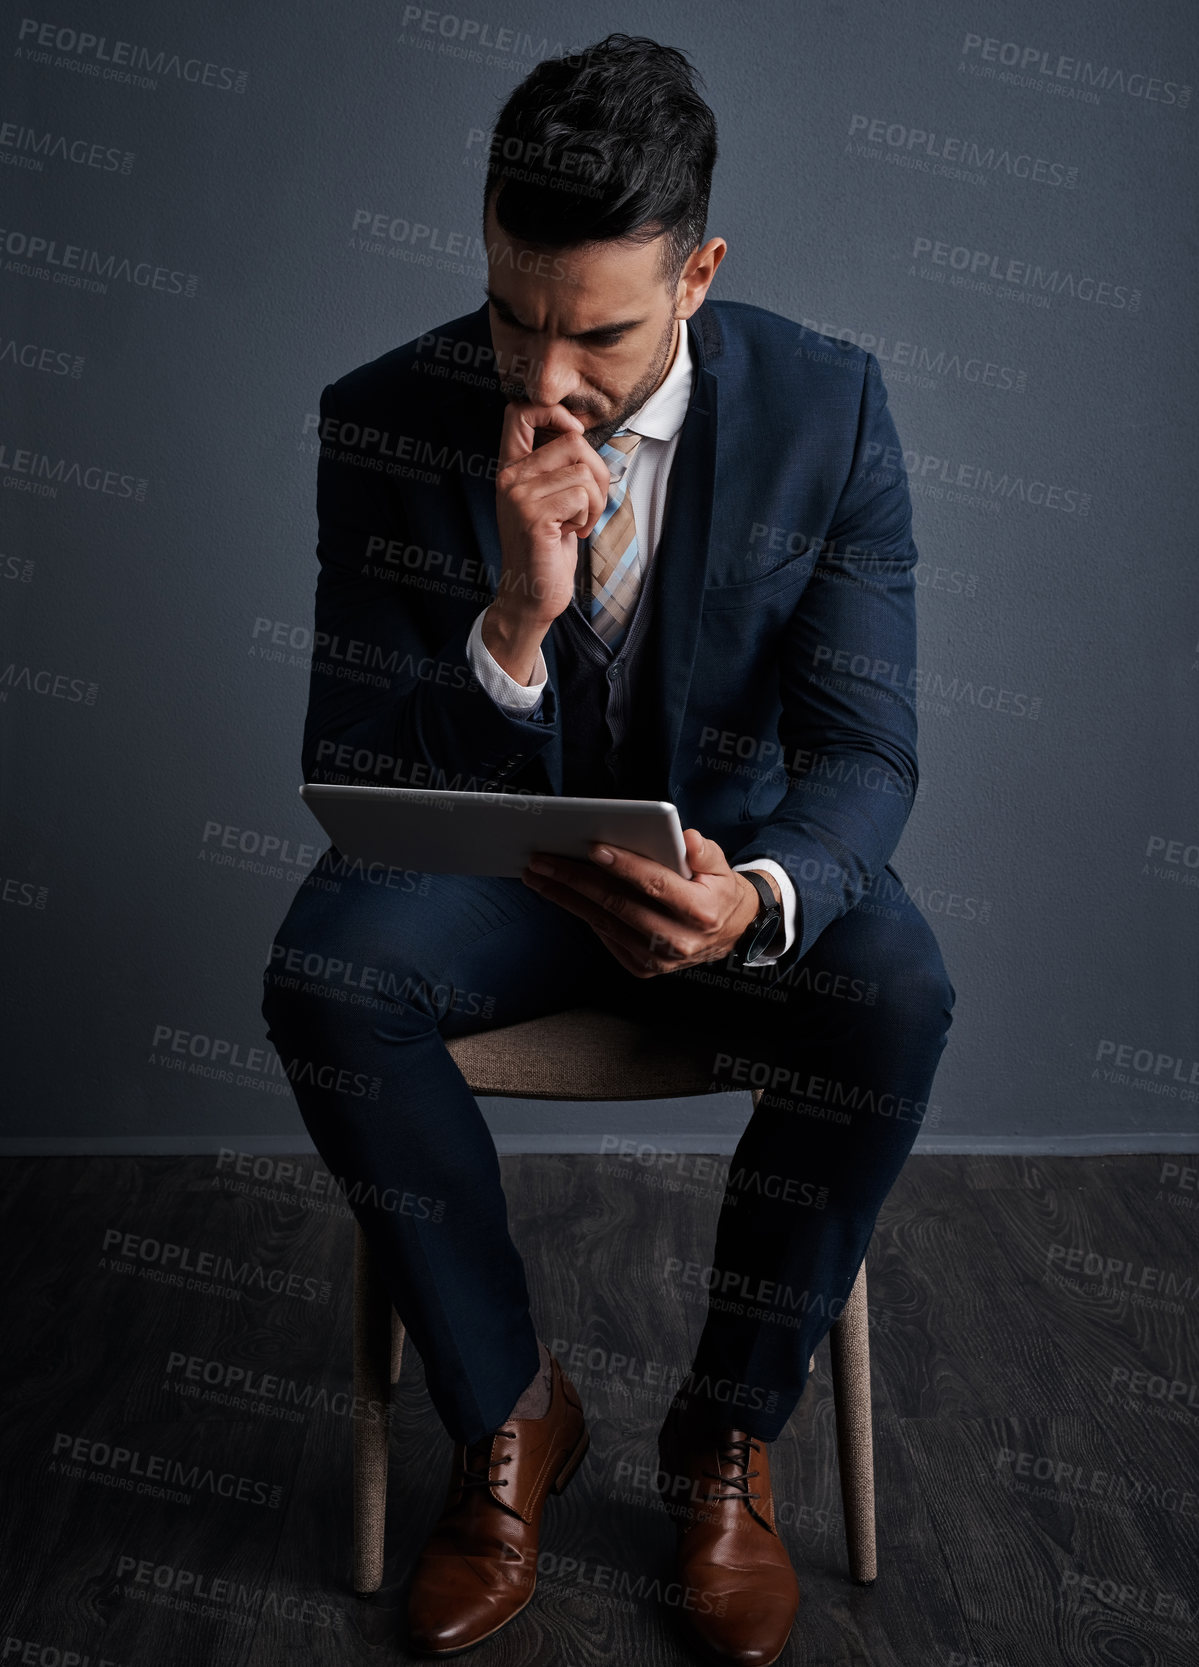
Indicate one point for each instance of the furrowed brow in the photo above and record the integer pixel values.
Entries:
(502, 307)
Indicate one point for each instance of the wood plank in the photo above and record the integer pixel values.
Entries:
(974, 1354)
(1020, 1547)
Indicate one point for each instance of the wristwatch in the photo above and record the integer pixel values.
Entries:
(759, 934)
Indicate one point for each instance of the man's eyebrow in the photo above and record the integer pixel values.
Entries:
(501, 306)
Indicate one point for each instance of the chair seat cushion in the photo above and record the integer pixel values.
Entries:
(584, 1053)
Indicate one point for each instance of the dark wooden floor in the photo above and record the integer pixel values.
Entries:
(1028, 1513)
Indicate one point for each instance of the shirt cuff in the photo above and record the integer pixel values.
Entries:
(777, 949)
(517, 698)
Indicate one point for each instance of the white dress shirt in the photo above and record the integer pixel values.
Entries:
(659, 422)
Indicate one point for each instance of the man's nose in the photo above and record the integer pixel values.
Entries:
(551, 377)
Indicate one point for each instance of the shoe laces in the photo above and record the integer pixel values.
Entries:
(736, 1453)
(483, 1478)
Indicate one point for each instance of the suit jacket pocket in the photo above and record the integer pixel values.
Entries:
(753, 592)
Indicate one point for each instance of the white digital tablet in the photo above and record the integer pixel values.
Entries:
(444, 831)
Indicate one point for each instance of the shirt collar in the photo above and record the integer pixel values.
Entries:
(663, 413)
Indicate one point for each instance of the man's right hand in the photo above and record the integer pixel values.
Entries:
(548, 496)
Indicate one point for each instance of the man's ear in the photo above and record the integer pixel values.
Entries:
(697, 274)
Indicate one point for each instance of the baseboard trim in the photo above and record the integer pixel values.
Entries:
(511, 1144)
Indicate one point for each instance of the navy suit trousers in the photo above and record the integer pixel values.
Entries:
(371, 973)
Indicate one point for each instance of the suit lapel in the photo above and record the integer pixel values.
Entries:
(682, 561)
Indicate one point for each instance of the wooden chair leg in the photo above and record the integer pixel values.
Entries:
(377, 1349)
(397, 1345)
(849, 1346)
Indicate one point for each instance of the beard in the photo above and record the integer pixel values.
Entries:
(631, 402)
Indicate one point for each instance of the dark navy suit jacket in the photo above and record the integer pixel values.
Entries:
(781, 660)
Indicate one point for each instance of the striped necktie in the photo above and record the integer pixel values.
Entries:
(616, 564)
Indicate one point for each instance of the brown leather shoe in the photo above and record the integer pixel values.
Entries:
(743, 1593)
(479, 1566)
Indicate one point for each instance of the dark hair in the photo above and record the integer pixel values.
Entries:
(610, 142)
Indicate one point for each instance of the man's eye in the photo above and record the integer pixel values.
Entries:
(608, 341)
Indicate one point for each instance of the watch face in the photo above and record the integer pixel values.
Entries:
(764, 931)
(764, 938)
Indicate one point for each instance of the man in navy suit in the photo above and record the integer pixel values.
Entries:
(606, 535)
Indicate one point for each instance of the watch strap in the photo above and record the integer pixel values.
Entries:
(768, 911)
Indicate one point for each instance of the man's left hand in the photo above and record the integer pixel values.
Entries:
(651, 919)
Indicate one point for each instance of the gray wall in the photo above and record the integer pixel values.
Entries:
(1055, 842)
